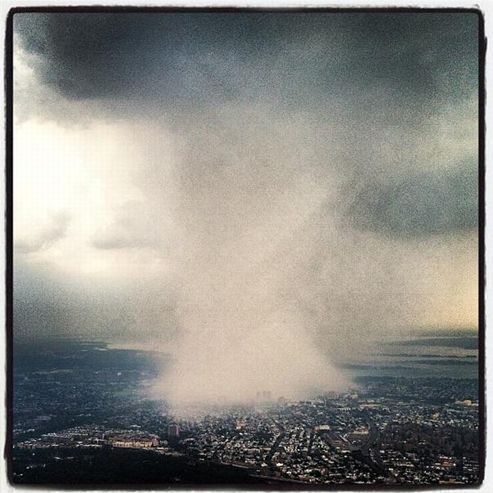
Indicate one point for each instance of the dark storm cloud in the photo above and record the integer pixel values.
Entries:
(436, 202)
(418, 56)
(298, 59)
(120, 55)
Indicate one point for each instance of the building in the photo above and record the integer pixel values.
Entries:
(173, 431)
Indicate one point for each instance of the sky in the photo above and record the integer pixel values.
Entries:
(254, 193)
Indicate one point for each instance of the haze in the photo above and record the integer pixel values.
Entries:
(257, 195)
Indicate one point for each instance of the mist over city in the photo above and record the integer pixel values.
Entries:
(271, 205)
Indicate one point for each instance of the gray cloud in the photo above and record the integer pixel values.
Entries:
(48, 236)
(185, 59)
(48, 302)
(418, 205)
(130, 228)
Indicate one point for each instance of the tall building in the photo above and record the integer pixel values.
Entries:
(173, 431)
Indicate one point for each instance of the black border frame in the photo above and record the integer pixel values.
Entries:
(9, 271)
